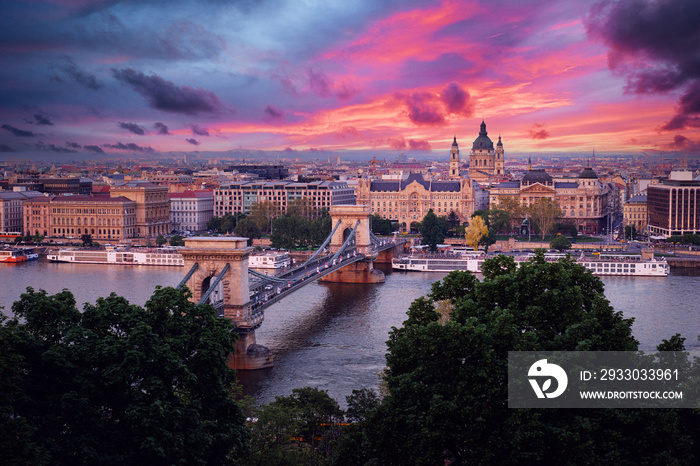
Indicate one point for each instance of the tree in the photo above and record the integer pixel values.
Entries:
(298, 429)
(630, 232)
(226, 223)
(499, 220)
(476, 230)
(160, 240)
(446, 381)
(263, 213)
(38, 238)
(177, 240)
(560, 243)
(247, 228)
(302, 207)
(488, 239)
(380, 225)
(117, 383)
(86, 239)
(544, 213)
(514, 208)
(431, 230)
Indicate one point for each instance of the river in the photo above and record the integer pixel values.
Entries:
(332, 336)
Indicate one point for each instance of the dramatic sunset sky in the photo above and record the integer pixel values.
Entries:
(149, 76)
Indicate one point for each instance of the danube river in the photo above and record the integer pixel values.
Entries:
(332, 336)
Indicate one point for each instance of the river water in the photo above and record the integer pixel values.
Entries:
(332, 336)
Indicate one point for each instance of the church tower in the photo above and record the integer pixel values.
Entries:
(454, 160)
(499, 169)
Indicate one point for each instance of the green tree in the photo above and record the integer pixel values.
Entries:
(290, 232)
(247, 228)
(263, 214)
(631, 232)
(544, 213)
(319, 229)
(38, 238)
(446, 381)
(499, 220)
(302, 207)
(560, 243)
(117, 383)
(488, 239)
(160, 240)
(302, 428)
(432, 230)
(380, 225)
(176, 240)
(514, 208)
(86, 239)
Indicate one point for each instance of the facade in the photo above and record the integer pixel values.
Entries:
(11, 212)
(102, 217)
(634, 212)
(59, 186)
(152, 207)
(240, 196)
(585, 201)
(171, 178)
(191, 210)
(485, 162)
(674, 208)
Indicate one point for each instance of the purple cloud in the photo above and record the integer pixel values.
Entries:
(133, 127)
(130, 146)
(168, 97)
(538, 131)
(18, 132)
(196, 130)
(457, 100)
(93, 148)
(193, 141)
(424, 109)
(42, 120)
(4, 148)
(654, 44)
(80, 76)
(273, 112)
(161, 128)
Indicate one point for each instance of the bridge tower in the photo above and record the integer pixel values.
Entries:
(228, 255)
(359, 272)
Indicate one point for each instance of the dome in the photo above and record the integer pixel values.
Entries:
(588, 173)
(483, 141)
(536, 176)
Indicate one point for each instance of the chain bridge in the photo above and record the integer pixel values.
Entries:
(218, 274)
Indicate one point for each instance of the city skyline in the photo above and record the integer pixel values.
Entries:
(127, 77)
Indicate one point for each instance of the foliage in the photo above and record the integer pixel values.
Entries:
(302, 428)
(560, 243)
(544, 213)
(117, 383)
(247, 228)
(18, 239)
(86, 239)
(224, 224)
(631, 232)
(263, 213)
(488, 239)
(289, 232)
(499, 220)
(380, 225)
(514, 208)
(476, 230)
(432, 230)
(176, 240)
(302, 207)
(160, 240)
(38, 238)
(688, 238)
(447, 391)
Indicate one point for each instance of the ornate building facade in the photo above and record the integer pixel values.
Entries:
(407, 200)
(485, 162)
(585, 201)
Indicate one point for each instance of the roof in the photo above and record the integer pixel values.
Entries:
(483, 141)
(565, 184)
(639, 199)
(588, 173)
(396, 185)
(536, 175)
(508, 184)
(83, 198)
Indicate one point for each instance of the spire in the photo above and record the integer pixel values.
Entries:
(483, 129)
(454, 143)
(529, 163)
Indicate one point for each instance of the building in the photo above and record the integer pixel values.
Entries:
(485, 162)
(152, 207)
(674, 206)
(408, 199)
(584, 201)
(191, 210)
(102, 217)
(172, 178)
(11, 213)
(265, 172)
(240, 196)
(58, 186)
(634, 212)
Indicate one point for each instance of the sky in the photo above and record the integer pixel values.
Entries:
(156, 76)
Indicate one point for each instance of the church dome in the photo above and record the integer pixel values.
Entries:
(483, 141)
(588, 173)
(537, 176)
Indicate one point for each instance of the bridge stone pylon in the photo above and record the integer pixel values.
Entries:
(211, 256)
(358, 272)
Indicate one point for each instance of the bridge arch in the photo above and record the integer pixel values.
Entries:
(349, 215)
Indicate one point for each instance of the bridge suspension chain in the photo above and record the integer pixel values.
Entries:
(216, 282)
(189, 275)
(347, 241)
(325, 243)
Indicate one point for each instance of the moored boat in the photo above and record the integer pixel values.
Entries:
(12, 255)
(120, 256)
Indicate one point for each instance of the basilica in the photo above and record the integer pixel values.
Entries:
(485, 163)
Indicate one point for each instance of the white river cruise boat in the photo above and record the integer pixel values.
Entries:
(599, 264)
(126, 256)
(270, 262)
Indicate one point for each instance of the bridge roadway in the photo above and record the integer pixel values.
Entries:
(266, 292)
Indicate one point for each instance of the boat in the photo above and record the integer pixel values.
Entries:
(601, 264)
(119, 256)
(270, 262)
(32, 256)
(12, 255)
